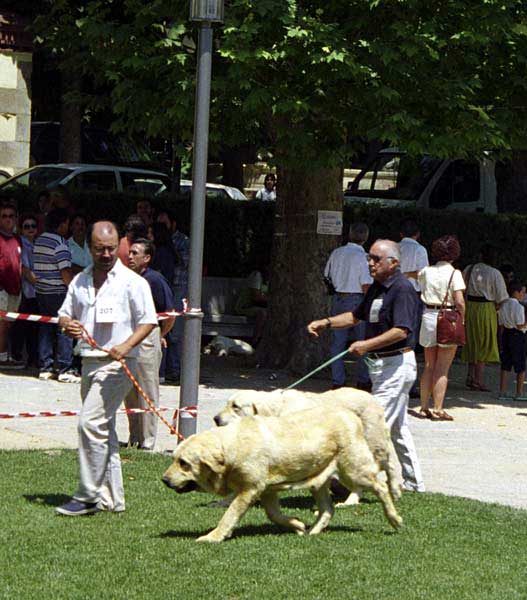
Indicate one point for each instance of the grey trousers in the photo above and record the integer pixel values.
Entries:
(143, 426)
(104, 385)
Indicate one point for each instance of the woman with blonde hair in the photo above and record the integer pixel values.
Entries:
(437, 282)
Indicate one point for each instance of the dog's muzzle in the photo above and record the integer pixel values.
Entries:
(189, 486)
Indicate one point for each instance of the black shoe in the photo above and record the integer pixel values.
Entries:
(172, 378)
(363, 385)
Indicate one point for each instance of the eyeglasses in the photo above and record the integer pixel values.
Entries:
(374, 258)
(29, 226)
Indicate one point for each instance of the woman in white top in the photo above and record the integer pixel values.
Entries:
(435, 281)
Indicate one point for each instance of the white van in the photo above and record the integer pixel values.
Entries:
(394, 178)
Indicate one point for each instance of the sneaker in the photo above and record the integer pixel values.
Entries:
(69, 377)
(76, 508)
(46, 375)
(11, 363)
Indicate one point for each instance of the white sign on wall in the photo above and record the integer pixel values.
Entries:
(329, 222)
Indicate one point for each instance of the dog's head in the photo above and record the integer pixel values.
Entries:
(198, 464)
(248, 404)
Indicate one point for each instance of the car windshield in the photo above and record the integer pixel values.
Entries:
(40, 177)
(236, 194)
(398, 176)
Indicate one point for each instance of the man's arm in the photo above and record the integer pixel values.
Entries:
(166, 325)
(341, 321)
(67, 275)
(392, 336)
(141, 332)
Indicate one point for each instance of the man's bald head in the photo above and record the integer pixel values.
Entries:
(106, 228)
(103, 239)
(383, 259)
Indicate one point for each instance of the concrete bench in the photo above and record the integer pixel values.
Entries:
(218, 299)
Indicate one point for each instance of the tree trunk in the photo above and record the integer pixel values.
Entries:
(71, 114)
(297, 294)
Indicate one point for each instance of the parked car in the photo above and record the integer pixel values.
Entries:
(102, 178)
(215, 190)
(394, 178)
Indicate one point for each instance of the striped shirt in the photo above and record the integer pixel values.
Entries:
(51, 254)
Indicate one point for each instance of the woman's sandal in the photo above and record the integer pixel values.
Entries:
(477, 387)
(425, 413)
(441, 415)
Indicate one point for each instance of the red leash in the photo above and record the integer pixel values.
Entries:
(89, 340)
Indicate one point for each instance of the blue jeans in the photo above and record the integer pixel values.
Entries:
(339, 338)
(175, 338)
(48, 305)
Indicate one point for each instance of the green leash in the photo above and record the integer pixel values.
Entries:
(367, 360)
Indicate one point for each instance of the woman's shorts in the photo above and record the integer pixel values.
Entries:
(428, 332)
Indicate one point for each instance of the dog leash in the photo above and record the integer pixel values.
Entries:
(367, 360)
(89, 340)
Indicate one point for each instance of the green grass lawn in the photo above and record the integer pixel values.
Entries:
(448, 548)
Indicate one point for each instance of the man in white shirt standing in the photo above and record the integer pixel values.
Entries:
(347, 268)
(414, 257)
(116, 307)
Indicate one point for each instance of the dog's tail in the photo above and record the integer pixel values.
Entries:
(392, 469)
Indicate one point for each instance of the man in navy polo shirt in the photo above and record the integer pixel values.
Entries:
(143, 427)
(388, 309)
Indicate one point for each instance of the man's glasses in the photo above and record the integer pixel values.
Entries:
(374, 258)
(29, 226)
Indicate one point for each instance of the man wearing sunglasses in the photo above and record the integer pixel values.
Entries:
(10, 277)
(388, 310)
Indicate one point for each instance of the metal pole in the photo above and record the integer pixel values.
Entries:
(192, 328)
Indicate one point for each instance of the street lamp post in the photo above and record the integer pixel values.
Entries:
(204, 12)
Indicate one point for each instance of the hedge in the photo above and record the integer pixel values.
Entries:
(238, 235)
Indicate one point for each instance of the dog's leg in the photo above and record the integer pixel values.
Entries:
(392, 470)
(325, 508)
(271, 506)
(352, 500)
(230, 519)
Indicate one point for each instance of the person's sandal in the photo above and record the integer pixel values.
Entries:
(441, 415)
(426, 413)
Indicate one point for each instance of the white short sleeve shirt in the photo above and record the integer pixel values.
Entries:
(434, 281)
(511, 314)
(348, 269)
(414, 257)
(123, 302)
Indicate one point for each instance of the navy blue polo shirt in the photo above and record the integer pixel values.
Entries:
(395, 304)
(161, 292)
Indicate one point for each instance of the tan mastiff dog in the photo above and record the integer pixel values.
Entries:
(256, 457)
(363, 404)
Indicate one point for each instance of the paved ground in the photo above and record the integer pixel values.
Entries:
(481, 454)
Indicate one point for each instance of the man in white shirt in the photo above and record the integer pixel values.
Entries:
(414, 257)
(268, 192)
(116, 307)
(347, 268)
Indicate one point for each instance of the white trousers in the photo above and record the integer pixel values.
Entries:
(392, 378)
(143, 427)
(104, 385)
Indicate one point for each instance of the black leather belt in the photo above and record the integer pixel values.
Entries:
(478, 299)
(438, 306)
(389, 353)
(349, 293)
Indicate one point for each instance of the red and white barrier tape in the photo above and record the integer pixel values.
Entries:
(14, 316)
(189, 411)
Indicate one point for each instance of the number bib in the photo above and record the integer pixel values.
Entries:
(106, 310)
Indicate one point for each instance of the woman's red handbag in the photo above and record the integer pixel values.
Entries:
(450, 327)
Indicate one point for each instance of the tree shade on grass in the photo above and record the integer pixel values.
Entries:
(448, 547)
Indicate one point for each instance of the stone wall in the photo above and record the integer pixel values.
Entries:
(15, 110)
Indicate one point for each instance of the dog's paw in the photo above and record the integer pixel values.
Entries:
(211, 538)
(396, 521)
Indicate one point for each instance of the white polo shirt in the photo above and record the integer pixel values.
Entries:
(348, 268)
(511, 314)
(414, 257)
(123, 302)
(484, 280)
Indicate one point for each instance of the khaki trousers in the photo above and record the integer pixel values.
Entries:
(143, 426)
(104, 385)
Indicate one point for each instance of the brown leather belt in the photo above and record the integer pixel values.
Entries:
(438, 306)
(390, 353)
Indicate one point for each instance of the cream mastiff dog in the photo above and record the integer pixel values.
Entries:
(363, 404)
(256, 457)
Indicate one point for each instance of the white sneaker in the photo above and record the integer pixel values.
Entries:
(69, 378)
(46, 375)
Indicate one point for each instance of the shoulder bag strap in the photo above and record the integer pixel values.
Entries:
(443, 304)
